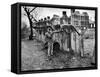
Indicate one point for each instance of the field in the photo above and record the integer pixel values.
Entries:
(34, 58)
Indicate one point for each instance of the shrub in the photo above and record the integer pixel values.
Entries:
(24, 31)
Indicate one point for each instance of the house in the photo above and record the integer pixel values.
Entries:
(80, 20)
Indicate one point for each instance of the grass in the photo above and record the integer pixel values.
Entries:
(34, 58)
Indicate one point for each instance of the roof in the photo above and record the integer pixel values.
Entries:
(85, 13)
(77, 12)
(90, 21)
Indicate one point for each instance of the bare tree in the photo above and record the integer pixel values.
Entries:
(28, 13)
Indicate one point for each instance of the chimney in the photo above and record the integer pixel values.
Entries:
(64, 13)
(41, 19)
(45, 19)
(48, 17)
(72, 11)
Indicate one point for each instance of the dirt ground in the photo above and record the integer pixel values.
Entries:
(34, 58)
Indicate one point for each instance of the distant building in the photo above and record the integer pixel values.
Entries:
(91, 24)
(62, 27)
(55, 21)
(58, 21)
(64, 19)
(78, 19)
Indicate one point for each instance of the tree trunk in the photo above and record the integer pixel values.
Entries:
(30, 21)
(31, 34)
(81, 46)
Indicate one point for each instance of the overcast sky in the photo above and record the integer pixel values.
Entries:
(42, 12)
(50, 11)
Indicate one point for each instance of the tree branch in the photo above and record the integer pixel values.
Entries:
(31, 17)
(29, 13)
(32, 9)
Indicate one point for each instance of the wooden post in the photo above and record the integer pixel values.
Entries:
(81, 43)
(62, 40)
(93, 56)
(82, 46)
(70, 41)
(75, 41)
(70, 47)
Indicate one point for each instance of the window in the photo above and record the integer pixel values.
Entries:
(76, 23)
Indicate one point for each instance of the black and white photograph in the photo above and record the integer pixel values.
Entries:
(57, 38)
(49, 38)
